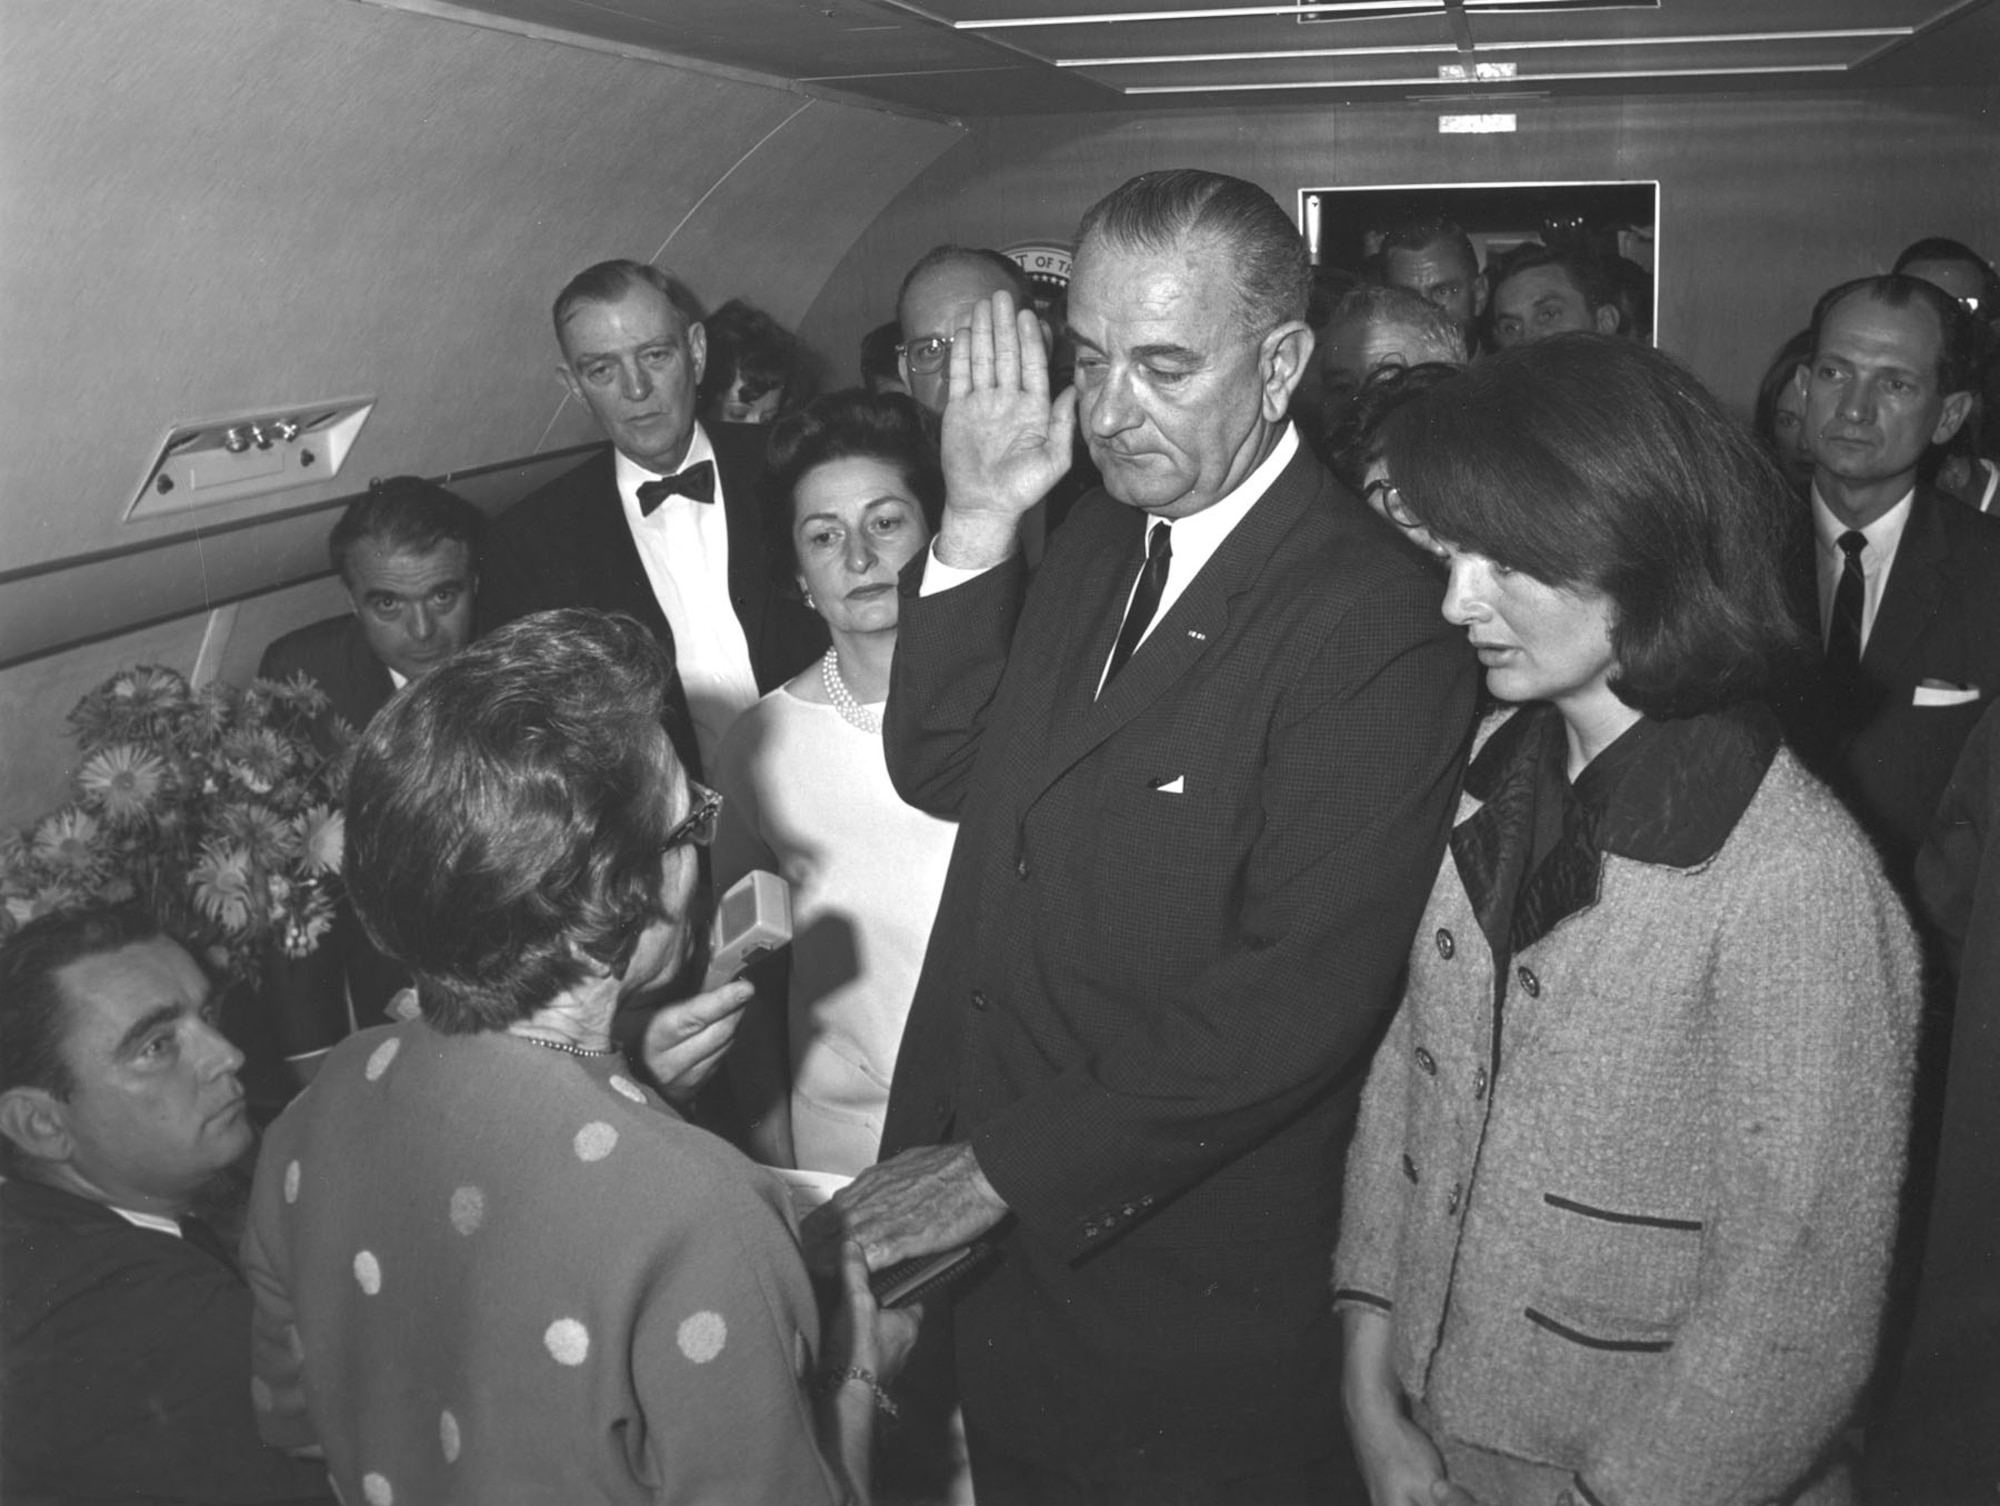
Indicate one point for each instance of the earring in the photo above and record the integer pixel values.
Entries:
(809, 602)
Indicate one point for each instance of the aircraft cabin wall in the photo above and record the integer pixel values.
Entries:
(218, 207)
(224, 207)
(1763, 200)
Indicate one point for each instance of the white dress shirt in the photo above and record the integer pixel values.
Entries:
(1883, 535)
(684, 546)
(1195, 539)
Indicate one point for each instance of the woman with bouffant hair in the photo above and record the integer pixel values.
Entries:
(490, 1264)
(1620, 1203)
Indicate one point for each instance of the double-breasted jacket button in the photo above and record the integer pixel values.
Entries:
(1409, 1167)
(1530, 984)
(1451, 1202)
(1428, 1062)
(1479, 1084)
(1446, 946)
(979, 999)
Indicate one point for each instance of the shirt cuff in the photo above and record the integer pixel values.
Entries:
(938, 576)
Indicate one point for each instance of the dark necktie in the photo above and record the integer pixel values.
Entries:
(1843, 634)
(1145, 599)
(206, 1240)
(697, 482)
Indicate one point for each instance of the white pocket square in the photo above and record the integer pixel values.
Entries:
(1175, 786)
(1945, 695)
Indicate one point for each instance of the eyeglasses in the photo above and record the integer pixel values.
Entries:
(927, 355)
(698, 825)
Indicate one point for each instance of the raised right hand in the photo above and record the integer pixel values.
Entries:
(1003, 443)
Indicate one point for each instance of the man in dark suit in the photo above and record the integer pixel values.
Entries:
(1204, 764)
(406, 553)
(124, 1323)
(664, 524)
(1902, 588)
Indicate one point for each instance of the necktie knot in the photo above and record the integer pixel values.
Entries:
(1852, 543)
(697, 482)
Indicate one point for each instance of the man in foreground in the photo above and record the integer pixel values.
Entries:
(1203, 766)
(124, 1324)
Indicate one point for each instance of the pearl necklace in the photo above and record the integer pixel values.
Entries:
(536, 1040)
(851, 711)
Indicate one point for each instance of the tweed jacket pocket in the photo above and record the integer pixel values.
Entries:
(1615, 1279)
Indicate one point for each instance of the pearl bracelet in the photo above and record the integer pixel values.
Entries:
(832, 1380)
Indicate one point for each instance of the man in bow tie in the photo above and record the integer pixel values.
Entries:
(663, 524)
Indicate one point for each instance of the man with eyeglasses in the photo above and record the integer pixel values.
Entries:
(936, 302)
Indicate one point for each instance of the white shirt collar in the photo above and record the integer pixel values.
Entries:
(1883, 535)
(152, 1221)
(1199, 535)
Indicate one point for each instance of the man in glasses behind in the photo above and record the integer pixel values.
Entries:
(934, 305)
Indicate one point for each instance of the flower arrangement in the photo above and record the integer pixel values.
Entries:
(215, 809)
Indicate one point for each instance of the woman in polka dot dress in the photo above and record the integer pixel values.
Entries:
(490, 1264)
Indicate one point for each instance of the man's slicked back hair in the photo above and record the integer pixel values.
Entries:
(1163, 211)
(1437, 335)
(1958, 331)
(32, 1013)
(609, 281)
(404, 515)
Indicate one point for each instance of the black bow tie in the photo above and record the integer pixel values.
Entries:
(697, 481)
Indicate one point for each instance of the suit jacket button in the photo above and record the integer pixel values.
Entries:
(1446, 946)
(1479, 1084)
(978, 999)
(1021, 868)
(1530, 984)
(1427, 1062)
(1451, 1202)
(1409, 1167)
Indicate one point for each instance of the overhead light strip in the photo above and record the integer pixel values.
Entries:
(1857, 34)
(1411, 8)
(1525, 78)
(1213, 13)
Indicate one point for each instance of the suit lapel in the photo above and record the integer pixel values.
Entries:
(1914, 591)
(1196, 621)
(606, 556)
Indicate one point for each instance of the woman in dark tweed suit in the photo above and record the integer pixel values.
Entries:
(1620, 1205)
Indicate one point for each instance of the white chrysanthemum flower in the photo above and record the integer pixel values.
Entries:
(67, 840)
(221, 884)
(122, 781)
(322, 834)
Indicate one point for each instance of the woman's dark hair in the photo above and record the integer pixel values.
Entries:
(506, 814)
(1793, 354)
(846, 425)
(745, 341)
(1353, 439)
(1596, 463)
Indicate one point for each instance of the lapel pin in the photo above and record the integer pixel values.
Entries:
(1198, 635)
